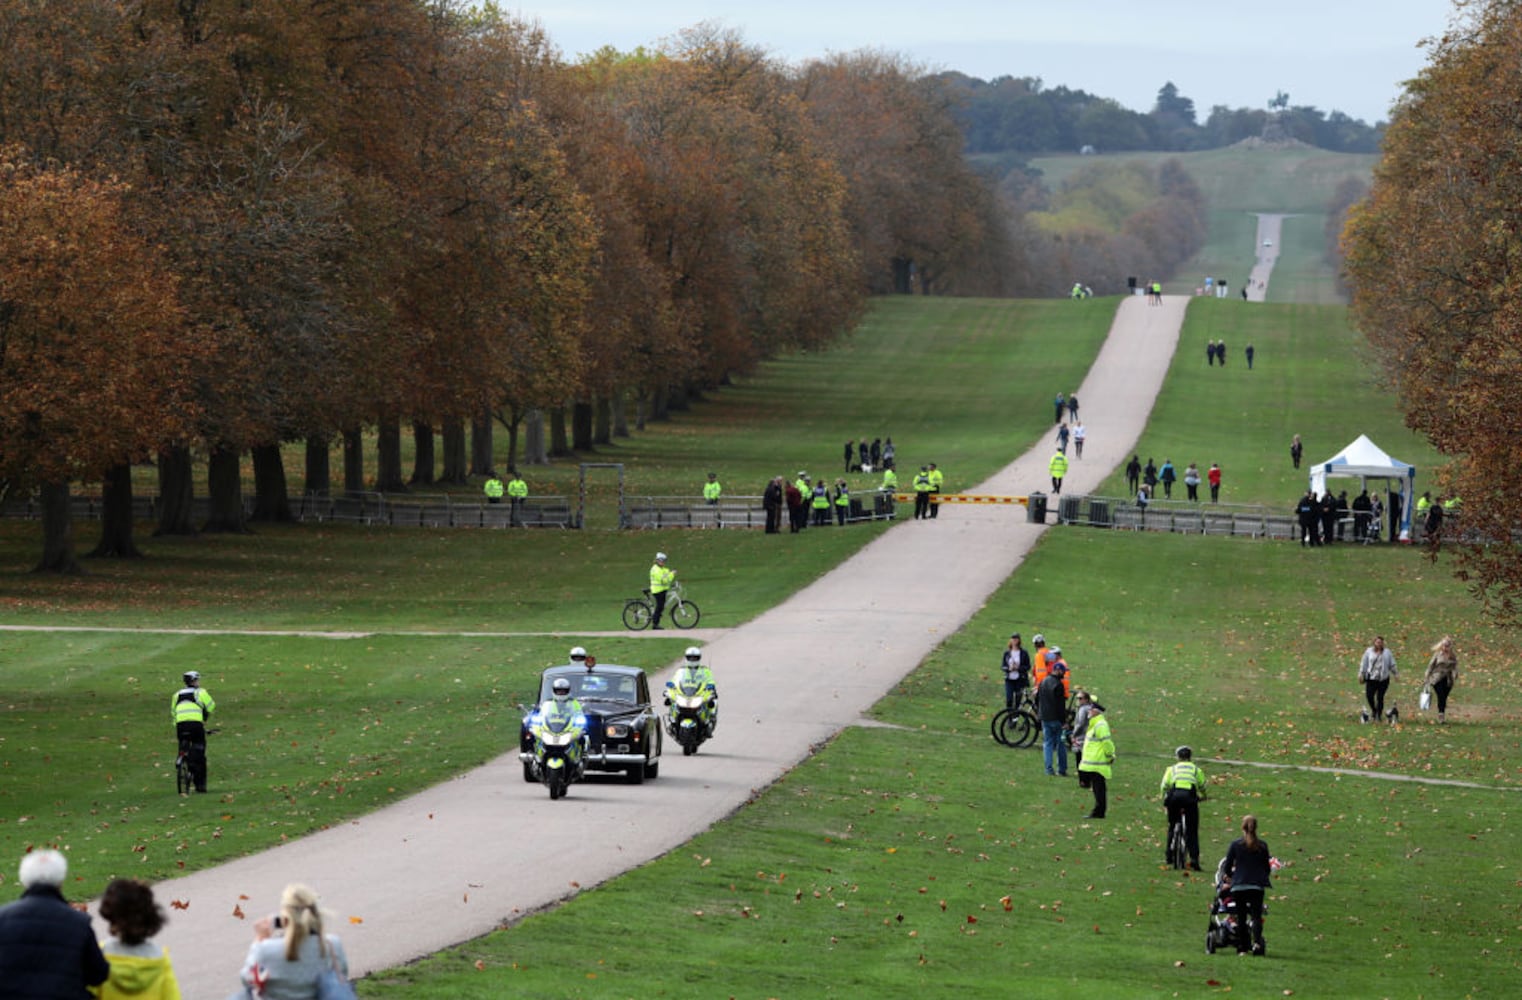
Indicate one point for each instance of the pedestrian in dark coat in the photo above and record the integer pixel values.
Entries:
(796, 512)
(772, 501)
(47, 948)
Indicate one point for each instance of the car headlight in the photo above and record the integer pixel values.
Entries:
(617, 731)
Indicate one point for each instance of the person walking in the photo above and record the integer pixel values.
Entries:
(1073, 407)
(876, 452)
(517, 493)
(1058, 469)
(492, 487)
(1052, 710)
(1167, 476)
(1149, 476)
(191, 708)
(1133, 475)
(1058, 405)
(805, 489)
(291, 951)
(1213, 476)
(771, 502)
(1015, 664)
(1442, 674)
(1098, 756)
(662, 577)
(850, 454)
(1183, 788)
(1248, 351)
(47, 949)
(1296, 449)
(1192, 481)
(1246, 872)
(1062, 437)
(140, 968)
(937, 481)
(1078, 437)
(712, 490)
(922, 493)
(1375, 670)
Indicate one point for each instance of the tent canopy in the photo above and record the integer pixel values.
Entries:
(1363, 459)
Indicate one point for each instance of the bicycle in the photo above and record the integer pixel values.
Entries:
(639, 612)
(182, 781)
(1016, 726)
(1178, 843)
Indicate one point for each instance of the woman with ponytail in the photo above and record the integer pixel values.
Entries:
(291, 952)
(1244, 873)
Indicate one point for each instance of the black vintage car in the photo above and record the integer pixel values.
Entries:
(623, 728)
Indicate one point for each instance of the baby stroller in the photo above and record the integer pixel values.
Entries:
(1221, 931)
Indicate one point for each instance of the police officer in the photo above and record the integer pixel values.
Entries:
(1183, 789)
(937, 479)
(842, 502)
(517, 492)
(712, 490)
(191, 707)
(493, 487)
(1058, 468)
(821, 504)
(661, 579)
(695, 671)
(922, 493)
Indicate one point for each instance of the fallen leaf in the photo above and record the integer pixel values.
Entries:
(179, 904)
(356, 920)
(238, 911)
(1007, 903)
(480, 965)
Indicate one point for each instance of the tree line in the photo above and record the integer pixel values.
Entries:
(1022, 115)
(227, 226)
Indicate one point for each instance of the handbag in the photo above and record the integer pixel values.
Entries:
(1425, 701)
(332, 986)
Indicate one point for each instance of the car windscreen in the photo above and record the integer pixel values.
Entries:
(623, 689)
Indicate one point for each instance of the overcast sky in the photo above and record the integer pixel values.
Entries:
(1343, 55)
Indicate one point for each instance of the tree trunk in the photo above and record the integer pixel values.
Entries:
(456, 464)
(354, 462)
(603, 432)
(903, 282)
(57, 532)
(533, 440)
(224, 480)
(678, 398)
(482, 457)
(559, 445)
(422, 453)
(388, 457)
(116, 516)
(319, 466)
(658, 403)
(272, 500)
(176, 492)
(581, 426)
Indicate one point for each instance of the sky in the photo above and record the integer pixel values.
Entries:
(1336, 55)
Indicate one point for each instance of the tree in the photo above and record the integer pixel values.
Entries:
(92, 373)
(1432, 257)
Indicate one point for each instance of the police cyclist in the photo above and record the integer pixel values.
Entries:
(1183, 788)
(662, 578)
(190, 708)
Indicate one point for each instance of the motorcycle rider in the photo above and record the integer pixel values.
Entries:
(191, 708)
(695, 672)
(1183, 790)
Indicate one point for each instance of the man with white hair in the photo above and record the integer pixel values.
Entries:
(47, 948)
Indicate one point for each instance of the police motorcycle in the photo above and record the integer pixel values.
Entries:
(692, 714)
(559, 732)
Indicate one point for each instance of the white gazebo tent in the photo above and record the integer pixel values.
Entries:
(1365, 460)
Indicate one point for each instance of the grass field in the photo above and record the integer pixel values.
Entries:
(919, 856)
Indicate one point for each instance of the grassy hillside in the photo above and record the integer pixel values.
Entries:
(1238, 182)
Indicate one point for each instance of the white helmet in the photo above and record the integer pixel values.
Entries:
(577, 653)
(693, 654)
(660, 557)
(561, 689)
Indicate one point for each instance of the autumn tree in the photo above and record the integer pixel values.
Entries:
(92, 374)
(1432, 257)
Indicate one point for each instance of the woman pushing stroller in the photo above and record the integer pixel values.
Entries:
(1244, 876)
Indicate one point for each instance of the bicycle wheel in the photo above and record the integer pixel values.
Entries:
(996, 726)
(636, 615)
(1016, 729)
(684, 615)
(182, 781)
(1031, 729)
(1178, 851)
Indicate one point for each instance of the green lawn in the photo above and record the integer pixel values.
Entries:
(884, 863)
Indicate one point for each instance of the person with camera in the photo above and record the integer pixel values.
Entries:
(1183, 790)
(291, 952)
(191, 708)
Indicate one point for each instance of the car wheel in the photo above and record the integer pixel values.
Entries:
(653, 770)
(635, 775)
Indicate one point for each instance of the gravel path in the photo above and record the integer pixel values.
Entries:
(460, 859)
